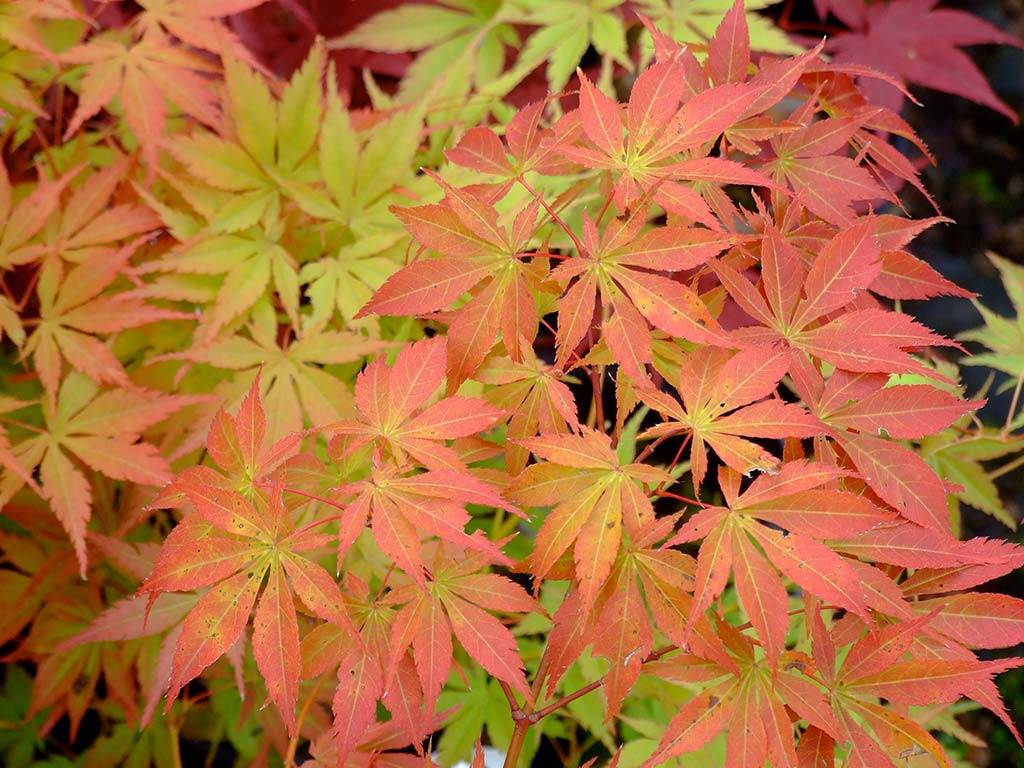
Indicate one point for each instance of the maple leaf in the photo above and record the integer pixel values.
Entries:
(801, 307)
(860, 407)
(367, 674)
(19, 23)
(688, 22)
(593, 496)
(958, 458)
(476, 255)
(659, 131)
(194, 22)
(899, 664)
(748, 701)
(365, 173)
(143, 75)
(452, 38)
(1004, 336)
(567, 29)
(92, 222)
(455, 602)
(614, 264)
(73, 309)
(294, 384)
(795, 501)
(619, 625)
(918, 43)
(25, 219)
(393, 415)
(725, 399)
(827, 182)
(101, 430)
(538, 398)
(67, 682)
(250, 262)
(144, 69)
(532, 147)
(265, 153)
(402, 506)
(230, 542)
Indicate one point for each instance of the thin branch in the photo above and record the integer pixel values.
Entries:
(540, 714)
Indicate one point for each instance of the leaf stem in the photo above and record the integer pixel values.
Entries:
(677, 497)
(597, 385)
(1013, 405)
(551, 213)
(293, 743)
(175, 746)
(1006, 468)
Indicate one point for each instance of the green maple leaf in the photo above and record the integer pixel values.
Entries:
(958, 458)
(365, 173)
(295, 388)
(461, 41)
(249, 262)
(264, 157)
(695, 21)
(567, 29)
(1004, 336)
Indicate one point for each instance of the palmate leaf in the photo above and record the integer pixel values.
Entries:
(795, 501)
(393, 415)
(455, 602)
(20, 23)
(229, 542)
(74, 311)
(538, 398)
(144, 68)
(566, 30)
(451, 38)
(919, 43)
(749, 703)
(294, 385)
(697, 22)
(403, 508)
(672, 119)
(560, 259)
(476, 255)
(621, 265)
(960, 461)
(23, 219)
(143, 74)
(252, 265)
(1004, 336)
(248, 160)
(68, 681)
(864, 340)
(723, 404)
(593, 498)
(98, 430)
(860, 406)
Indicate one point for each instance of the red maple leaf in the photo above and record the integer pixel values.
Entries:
(917, 43)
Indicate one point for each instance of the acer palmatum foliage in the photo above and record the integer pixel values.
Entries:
(816, 546)
(606, 426)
